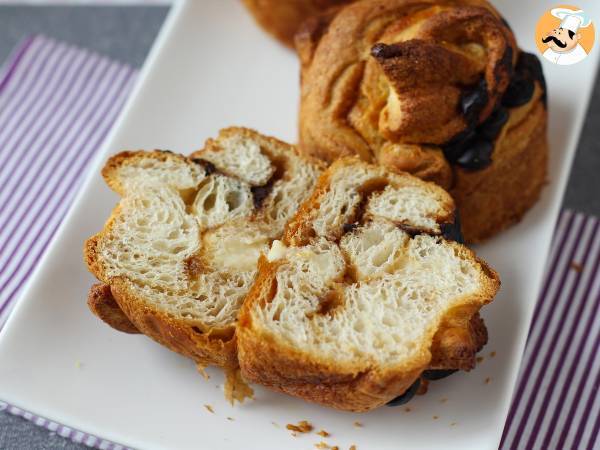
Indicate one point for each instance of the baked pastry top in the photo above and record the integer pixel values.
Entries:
(437, 88)
(365, 294)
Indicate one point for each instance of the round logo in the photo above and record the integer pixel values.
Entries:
(565, 35)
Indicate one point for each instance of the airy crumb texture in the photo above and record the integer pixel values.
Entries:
(179, 251)
(302, 427)
(209, 408)
(361, 291)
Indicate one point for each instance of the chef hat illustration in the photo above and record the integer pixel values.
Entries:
(572, 20)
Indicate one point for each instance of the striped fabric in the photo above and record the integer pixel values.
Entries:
(56, 105)
(557, 404)
(61, 430)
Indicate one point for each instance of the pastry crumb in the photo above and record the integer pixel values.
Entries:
(275, 424)
(230, 418)
(358, 424)
(302, 427)
(202, 371)
(576, 267)
(492, 354)
(408, 409)
(435, 417)
(325, 446)
(209, 408)
(452, 424)
(479, 359)
(324, 433)
(488, 380)
(443, 400)
(78, 364)
(352, 447)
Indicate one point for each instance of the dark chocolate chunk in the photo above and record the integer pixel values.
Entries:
(490, 129)
(433, 375)
(383, 51)
(473, 101)
(458, 145)
(348, 227)
(477, 156)
(209, 168)
(505, 64)
(531, 64)
(259, 193)
(407, 396)
(452, 231)
(519, 91)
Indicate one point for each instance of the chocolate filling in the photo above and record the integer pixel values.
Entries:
(209, 168)
(452, 231)
(472, 148)
(433, 375)
(259, 193)
(473, 101)
(381, 50)
(407, 396)
(348, 227)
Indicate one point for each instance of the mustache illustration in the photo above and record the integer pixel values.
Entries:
(556, 41)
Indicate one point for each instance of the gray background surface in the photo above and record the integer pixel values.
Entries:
(126, 33)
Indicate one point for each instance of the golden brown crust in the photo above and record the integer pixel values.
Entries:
(211, 348)
(386, 80)
(215, 347)
(282, 18)
(277, 365)
(103, 305)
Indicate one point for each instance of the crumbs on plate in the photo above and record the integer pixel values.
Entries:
(326, 446)
(209, 408)
(302, 427)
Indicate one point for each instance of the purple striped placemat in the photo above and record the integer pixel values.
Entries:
(57, 104)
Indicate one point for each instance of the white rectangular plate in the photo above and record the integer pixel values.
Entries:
(212, 67)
